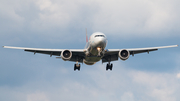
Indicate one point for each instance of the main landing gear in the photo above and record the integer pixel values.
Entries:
(77, 66)
(109, 66)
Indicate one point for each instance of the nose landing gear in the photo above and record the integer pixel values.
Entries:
(99, 51)
(109, 66)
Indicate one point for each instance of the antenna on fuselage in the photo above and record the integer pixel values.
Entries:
(86, 36)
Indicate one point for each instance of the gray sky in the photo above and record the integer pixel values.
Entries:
(61, 24)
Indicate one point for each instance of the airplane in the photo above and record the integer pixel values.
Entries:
(93, 52)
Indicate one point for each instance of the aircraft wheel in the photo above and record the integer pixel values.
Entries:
(74, 67)
(111, 66)
(77, 66)
(107, 66)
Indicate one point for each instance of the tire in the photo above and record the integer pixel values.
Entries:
(111, 66)
(79, 67)
(107, 67)
(75, 67)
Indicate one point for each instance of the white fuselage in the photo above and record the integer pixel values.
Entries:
(95, 48)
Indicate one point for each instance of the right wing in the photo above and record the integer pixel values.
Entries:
(112, 54)
(76, 53)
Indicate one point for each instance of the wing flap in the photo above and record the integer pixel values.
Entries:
(56, 53)
(141, 51)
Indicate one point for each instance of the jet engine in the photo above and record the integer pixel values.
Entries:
(124, 54)
(66, 55)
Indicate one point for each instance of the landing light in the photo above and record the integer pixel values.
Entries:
(98, 48)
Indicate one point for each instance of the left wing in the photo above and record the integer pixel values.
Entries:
(112, 54)
(76, 53)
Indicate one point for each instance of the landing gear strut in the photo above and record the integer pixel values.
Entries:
(99, 51)
(109, 66)
(77, 66)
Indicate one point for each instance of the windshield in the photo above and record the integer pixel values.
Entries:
(99, 36)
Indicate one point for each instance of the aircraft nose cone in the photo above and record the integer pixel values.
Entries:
(101, 42)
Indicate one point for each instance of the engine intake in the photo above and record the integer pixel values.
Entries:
(124, 54)
(66, 55)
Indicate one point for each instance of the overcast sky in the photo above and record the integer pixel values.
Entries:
(62, 23)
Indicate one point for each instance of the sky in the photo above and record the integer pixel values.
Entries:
(61, 24)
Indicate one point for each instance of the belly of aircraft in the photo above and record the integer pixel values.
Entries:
(92, 59)
(94, 52)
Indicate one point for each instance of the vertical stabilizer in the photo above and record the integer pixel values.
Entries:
(86, 36)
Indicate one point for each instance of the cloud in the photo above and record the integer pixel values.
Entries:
(138, 18)
(178, 75)
(117, 17)
(127, 96)
(96, 83)
(38, 96)
(9, 18)
(159, 86)
(52, 15)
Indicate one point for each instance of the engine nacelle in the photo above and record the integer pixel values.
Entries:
(124, 54)
(66, 55)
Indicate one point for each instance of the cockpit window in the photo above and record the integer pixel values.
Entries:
(99, 36)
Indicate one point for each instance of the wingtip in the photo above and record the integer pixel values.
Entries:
(3, 46)
(177, 45)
